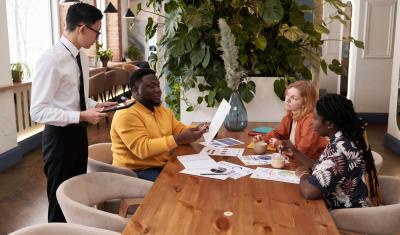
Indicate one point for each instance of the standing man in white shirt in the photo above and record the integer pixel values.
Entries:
(60, 100)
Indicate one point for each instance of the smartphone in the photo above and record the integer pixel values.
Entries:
(122, 105)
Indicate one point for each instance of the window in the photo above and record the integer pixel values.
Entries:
(29, 30)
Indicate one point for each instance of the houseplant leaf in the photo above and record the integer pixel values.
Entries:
(272, 12)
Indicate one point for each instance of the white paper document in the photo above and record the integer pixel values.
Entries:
(275, 175)
(197, 161)
(206, 173)
(235, 171)
(225, 142)
(258, 160)
(229, 152)
(217, 121)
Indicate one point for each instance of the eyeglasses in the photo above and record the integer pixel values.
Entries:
(97, 32)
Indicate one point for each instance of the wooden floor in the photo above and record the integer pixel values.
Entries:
(23, 199)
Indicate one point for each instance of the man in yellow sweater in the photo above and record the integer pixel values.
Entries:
(143, 135)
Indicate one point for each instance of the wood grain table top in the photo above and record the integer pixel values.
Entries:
(186, 204)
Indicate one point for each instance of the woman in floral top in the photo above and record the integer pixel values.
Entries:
(345, 174)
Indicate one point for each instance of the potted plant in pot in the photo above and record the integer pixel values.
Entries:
(103, 55)
(272, 36)
(19, 71)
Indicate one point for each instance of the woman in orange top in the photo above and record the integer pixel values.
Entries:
(296, 126)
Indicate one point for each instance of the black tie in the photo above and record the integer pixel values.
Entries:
(81, 89)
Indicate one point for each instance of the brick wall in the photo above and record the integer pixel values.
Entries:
(114, 37)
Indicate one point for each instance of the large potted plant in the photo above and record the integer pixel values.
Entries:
(19, 71)
(273, 38)
(104, 55)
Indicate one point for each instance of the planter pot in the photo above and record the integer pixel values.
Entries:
(16, 76)
(104, 62)
(265, 107)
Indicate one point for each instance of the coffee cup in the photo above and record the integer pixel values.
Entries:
(260, 147)
(278, 161)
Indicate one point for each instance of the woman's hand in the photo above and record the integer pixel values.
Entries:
(286, 148)
(257, 138)
(275, 142)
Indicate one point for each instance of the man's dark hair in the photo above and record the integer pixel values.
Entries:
(340, 111)
(82, 13)
(137, 76)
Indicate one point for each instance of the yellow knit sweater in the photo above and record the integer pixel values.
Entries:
(141, 138)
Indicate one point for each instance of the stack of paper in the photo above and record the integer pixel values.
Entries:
(203, 165)
(275, 175)
(225, 142)
(257, 160)
(230, 152)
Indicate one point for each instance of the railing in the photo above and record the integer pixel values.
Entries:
(22, 99)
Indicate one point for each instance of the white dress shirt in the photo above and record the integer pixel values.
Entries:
(55, 86)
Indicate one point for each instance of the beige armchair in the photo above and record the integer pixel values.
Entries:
(378, 159)
(100, 160)
(374, 220)
(62, 229)
(78, 196)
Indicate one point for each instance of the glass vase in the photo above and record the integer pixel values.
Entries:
(236, 120)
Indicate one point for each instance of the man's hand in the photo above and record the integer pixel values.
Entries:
(190, 135)
(105, 104)
(92, 116)
(203, 126)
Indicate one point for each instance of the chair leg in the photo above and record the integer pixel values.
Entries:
(126, 203)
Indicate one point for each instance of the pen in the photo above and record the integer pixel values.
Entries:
(211, 174)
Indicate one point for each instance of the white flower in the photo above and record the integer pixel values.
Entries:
(230, 55)
(342, 197)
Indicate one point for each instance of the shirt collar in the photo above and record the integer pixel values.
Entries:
(336, 136)
(68, 44)
(144, 108)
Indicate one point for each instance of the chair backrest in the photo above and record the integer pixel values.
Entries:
(121, 76)
(95, 71)
(390, 190)
(109, 80)
(78, 195)
(96, 84)
(100, 160)
(374, 220)
(101, 152)
(130, 68)
(378, 159)
(62, 229)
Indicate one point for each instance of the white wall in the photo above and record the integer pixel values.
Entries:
(8, 131)
(265, 107)
(393, 128)
(370, 70)
(330, 51)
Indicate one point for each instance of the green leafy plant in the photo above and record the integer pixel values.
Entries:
(273, 38)
(19, 71)
(134, 52)
(103, 54)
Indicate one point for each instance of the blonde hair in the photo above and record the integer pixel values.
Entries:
(309, 95)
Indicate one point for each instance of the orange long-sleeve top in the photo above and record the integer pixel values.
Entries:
(306, 139)
(142, 138)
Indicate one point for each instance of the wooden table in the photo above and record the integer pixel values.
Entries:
(185, 204)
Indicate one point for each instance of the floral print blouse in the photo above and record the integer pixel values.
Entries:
(338, 174)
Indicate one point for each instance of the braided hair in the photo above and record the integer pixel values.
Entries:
(339, 111)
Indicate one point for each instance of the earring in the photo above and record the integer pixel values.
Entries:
(303, 107)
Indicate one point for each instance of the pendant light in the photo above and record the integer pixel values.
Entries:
(110, 8)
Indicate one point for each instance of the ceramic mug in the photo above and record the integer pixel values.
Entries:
(260, 147)
(278, 161)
